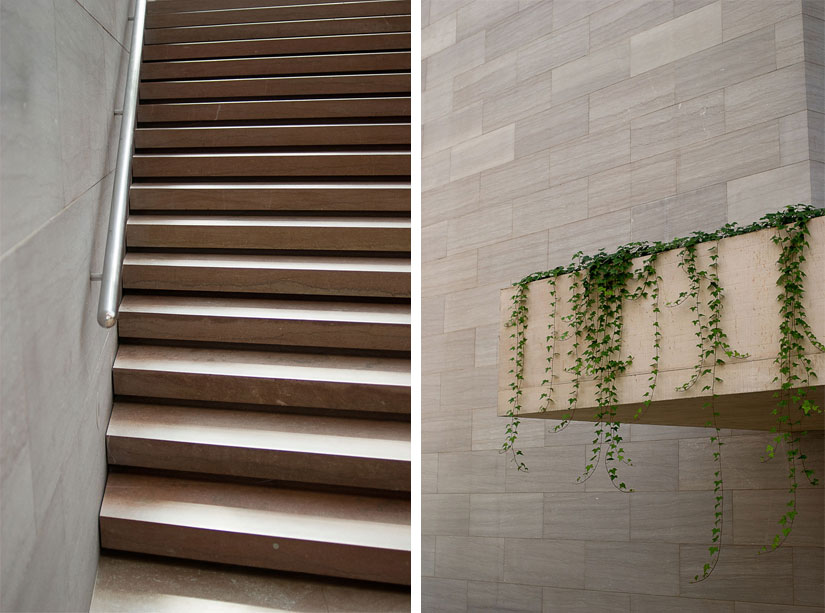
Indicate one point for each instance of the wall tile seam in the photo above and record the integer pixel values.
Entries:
(21, 243)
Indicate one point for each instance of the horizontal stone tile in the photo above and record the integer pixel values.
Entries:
(506, 515)
(621, 20)
(476, 558)
(678, 126)
(655, 468)
(648, 222)
(749, 198)
(728, 157)
(645, 432)
(427, 556)
(440, 8)
(436, 99)
(429, 473)
(472, 308)
(483, 152)
(508, 261)
(790, 42)
(434, 242)
(457, 58)
(552, 127)
(469, 389)
(438, 36)
(518, 178)
(643, 568)
(675, 39)
(480, 15)
(608, 191)
(550, 469)
(585, 601)
(653, 178)
(726, 64)
(489, 428)
(701, 209)
(813, 8)
(431, 393)
(486, 81)
(680, 7)
(816, 132)
(479, 472)
(522, 101)
(765, 97)
(449, 201)
(741, 574)
(451, 130)
(552, 207)
(445, 514)
(589, 235)
(476, 230)
(679, 517)
(432, 315)
(503, 597)
(568, 11)
(553, 49)
(445, 430)
(601, 516)
(486, 349)
(589, 155)
(449, 274)
(524, 26)
(809, 575)
(756, 513)
(443, 595)
(544, 562)
(617, 105)
(592, 72)
(817, 182)
(815, 85)
(642, 603)
(435, 170)
(574, 433)
(451, 351)
(739, 18)
(814, 32)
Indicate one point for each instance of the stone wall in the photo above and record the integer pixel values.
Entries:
(63, 71)
(553, 126)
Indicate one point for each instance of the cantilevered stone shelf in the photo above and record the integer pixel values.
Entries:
(748, 273)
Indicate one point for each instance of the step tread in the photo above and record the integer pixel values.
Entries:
(342, 519)
(334, 436)
(270, 262)
(376, 371)
(285, 221)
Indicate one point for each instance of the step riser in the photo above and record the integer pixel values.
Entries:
(272, 392)
(260, 463)
(345, 335)
(367, 25)
(284, 86)
(305, 136)
(279, 46)
(334, 560)
(255, 280)
(295, 199)
(278, 13)
(282, 109)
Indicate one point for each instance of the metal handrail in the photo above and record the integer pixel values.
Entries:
(113, 260)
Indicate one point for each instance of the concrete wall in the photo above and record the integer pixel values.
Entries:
(553, 126)
(63, 66)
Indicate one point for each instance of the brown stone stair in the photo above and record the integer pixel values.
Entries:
(262, 382)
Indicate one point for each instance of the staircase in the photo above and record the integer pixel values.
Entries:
(262, 383)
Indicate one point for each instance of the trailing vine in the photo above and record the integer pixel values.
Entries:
(600, 284)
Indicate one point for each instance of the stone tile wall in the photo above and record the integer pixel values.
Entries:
(63, 71)
(557, 125)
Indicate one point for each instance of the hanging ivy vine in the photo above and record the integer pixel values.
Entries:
(601, 284)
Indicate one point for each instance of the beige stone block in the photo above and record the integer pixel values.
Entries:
(445, 430)
(449, 274)
(486, 345)
(436, 100)
(435, 170)
(621, 20)
(589, 235)
(569, 11)
(765, 97)
(429, 473)
(471, 308)
(430, 392)
(653, 178)
(557, 563)
(643, 568)
(524, 100)
(510, 260)
(479, 472)
(452, 200)
(749, 198)
(481, 15)
(756, 513)
(552, 207)
(609, 191)
(469, 558)
(679, 517)
(676, 39)
(483, 597)
(818, 184)
(553, 49)
(794, 144)
(551, 469)
(641, 603)
(739, 18)
(654, 468)
(585, 601)
(809, 575)
(648, 222)
(592, 72)
(434, 241)
(814, 32)
(813, 8)
(551, 127)
(483, 152)
(457, 58)
(488, 431)
(701, 209)
(680, 7)
(678, 126)
(427, 556)
(815, 84)
(506, 515)
(790, 44)
(443, 595)
(468, 389)
(524, 27)
(451, 130)
(731, 156)
(646, 432)
(485, 82)
(521, 177)
(440, 8)
(444, 352)
(726, 64)
(589, 155)
(438, 36)
(475, 230)
(601, 516)
(741, 574)
(445, 514)
(816, 133)
(617, 105)
(574, 433)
